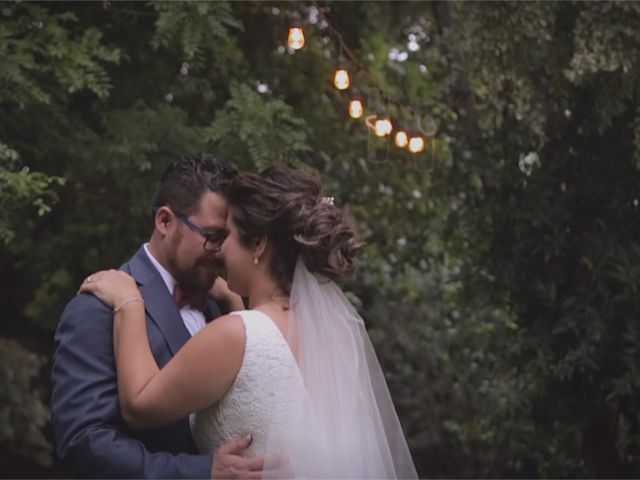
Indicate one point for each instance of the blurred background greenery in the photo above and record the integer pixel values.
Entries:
(499, 282)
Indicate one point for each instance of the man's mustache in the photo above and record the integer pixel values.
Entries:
(212, 263)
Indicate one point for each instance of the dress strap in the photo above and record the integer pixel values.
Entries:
(252, 314)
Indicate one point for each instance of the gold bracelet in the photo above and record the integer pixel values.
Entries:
(131, 300)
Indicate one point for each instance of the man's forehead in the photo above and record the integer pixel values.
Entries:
(213, 206)
(214, 200)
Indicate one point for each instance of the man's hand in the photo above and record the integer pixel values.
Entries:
(229, 461)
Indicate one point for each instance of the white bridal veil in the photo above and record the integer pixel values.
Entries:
(347, 427)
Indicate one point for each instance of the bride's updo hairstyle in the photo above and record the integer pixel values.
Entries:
(289, 208)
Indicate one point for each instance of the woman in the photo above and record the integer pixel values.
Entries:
(297, 370)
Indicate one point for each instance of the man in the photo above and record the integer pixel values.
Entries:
(174, 271)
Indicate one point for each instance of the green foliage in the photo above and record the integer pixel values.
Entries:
(196, 27)
(256, 130)
(20, 188)
(36, 43)
(500, 278)
(23, 413)
(562, 247)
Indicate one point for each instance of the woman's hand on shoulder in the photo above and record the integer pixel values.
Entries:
(112, 287)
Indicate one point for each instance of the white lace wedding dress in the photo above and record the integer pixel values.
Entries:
(261, 398)
(328, 411)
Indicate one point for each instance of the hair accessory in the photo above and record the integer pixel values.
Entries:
(328, 200)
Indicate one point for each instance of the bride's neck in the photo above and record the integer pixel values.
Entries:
(268, 292)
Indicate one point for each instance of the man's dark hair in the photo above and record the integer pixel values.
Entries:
(185, 181)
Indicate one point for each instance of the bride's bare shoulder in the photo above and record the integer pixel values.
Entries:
(229, 326)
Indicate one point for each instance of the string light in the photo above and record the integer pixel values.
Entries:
(296, 38)
(382, 125)
(415, 139)
(416, 143)
(341, 78)
(356, 106)
(401, 138)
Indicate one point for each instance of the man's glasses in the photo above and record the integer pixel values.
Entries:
(212, 240)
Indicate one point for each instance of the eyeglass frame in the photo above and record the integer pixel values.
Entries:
(192, 226)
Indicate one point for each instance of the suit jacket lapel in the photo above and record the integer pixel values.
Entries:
(212, 311)
(158, 302)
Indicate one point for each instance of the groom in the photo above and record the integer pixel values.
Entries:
(179, 261)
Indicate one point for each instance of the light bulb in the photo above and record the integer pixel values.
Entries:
(382, 126)
(416, 144)
(356, 108)
(296, 37)
(341, 78)
(401, 139)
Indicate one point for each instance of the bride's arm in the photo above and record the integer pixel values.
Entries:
(197, 376)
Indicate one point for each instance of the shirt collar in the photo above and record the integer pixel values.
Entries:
(168, 279)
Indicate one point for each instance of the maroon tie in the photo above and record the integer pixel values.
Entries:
(183, 299)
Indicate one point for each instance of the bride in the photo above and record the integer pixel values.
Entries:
(297, 370)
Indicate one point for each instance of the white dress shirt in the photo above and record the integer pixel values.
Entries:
(192, 317)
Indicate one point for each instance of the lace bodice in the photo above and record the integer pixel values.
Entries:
(267, 385)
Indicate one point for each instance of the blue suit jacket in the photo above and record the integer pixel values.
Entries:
(91, 437)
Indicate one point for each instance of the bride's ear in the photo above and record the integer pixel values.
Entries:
(260, 246)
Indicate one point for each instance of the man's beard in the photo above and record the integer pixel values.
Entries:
(196, 278)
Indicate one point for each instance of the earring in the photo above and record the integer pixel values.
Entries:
(255, 260)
